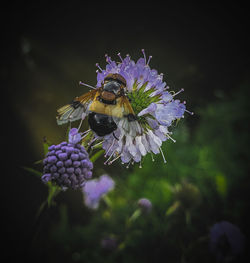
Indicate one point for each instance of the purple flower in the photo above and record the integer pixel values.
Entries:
(95, 189)
(67, 164)
(154, 110)
(74, 136)
(154, 106)
(145, 205)
(226, 241)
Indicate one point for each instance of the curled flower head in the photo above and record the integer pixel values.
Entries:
(67, 164)
(155, 109)
(226, 241)
(95, 189)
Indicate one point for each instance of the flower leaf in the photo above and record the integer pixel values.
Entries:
(33, 171)
(96, 155)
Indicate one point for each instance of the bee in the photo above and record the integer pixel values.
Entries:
(105, 105)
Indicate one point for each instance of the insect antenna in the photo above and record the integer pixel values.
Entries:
(86, 85)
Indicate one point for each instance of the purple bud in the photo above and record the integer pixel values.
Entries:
(56, 175)
(76, 163)
(59, 164)
(61, 170)
(145, 205)
(52, 159)
(88, 175)
(85, 163)
(62, 156)
(58, 152)
(51, 153)
(57, 147)
(46, 177)
(70, 170)
(64, 176)
(90, 165)
(53, 168)
(64, 148)
(74, 156)
(68, 163)
(76, 151)
(69, 150)
(82, 156)
(52, 147)
(78, 171)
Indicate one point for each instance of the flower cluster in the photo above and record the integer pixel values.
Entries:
(95, 189)
(155, 108)
(67, 164)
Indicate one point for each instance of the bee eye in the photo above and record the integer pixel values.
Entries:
(112, 86)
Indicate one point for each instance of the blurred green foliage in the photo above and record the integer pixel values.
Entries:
(204, 180)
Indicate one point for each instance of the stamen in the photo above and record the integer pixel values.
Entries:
(117, 157)
(164, 160)
(140, 166)
(84, 84)
(171, 138)
(92, 147)
(149, 58)
(152, 157)
(97, 65)
(119, 55)
(144, 54)
(190, 112)
(128, 165)
(80, 124)
(108, 59)
(93, 140)
(106, 154)
(128, 56)
(85, 133)
(181, 90)
(109, 157)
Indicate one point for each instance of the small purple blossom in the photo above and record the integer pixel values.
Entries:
(74, 136)
(95, 189)
(145, 205)
(226, 241)
(67, 164)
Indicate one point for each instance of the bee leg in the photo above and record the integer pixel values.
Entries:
(115, 136)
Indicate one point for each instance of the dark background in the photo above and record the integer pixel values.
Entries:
(46, 49)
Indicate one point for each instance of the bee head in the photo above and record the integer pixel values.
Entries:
(114, 83)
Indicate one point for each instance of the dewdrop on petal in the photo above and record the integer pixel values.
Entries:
(67, 164)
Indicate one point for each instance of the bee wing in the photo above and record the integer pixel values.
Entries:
(75, 110)
(127, 108)
(128, 123)
(132, 128)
